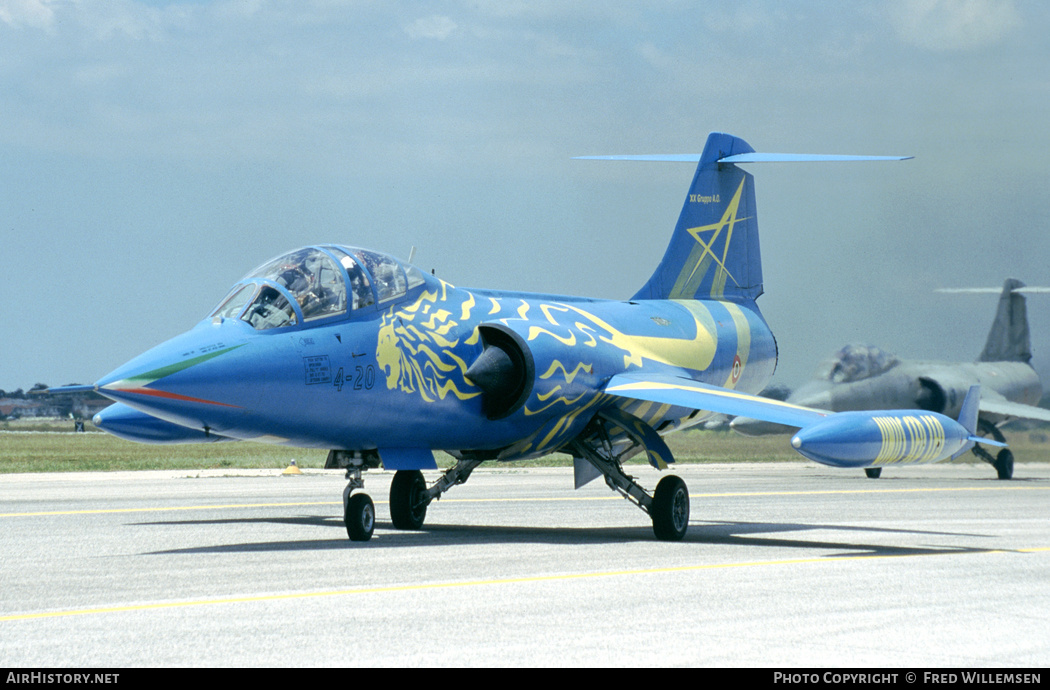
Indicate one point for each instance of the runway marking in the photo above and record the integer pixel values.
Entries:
(565, 577)
(611, 497)
(101, 511)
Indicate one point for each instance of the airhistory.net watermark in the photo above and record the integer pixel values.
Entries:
(50, 677)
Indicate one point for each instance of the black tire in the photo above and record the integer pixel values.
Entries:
(407, 508)
(670, 509)
(1004, 464)
(360, 517)
(873, 472)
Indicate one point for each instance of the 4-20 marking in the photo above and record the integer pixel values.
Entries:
(363, 378)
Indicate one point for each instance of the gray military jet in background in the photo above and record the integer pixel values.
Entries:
(859, 377)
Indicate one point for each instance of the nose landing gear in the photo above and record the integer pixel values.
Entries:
(359, 516)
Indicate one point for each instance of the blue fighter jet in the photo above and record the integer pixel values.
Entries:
(354, 351)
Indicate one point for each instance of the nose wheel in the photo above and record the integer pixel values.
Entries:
(359, 517)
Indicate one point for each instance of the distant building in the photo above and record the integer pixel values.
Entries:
(40, 403)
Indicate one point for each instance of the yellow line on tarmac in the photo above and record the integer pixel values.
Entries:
(477, 583)
(165, 508)
(610, 497)
(920, 490)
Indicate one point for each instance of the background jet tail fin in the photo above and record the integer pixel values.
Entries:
(1008, 340)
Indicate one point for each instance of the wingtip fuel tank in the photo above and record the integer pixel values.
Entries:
(866, 439)
(889, 437)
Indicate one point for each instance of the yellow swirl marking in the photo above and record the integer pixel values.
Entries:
(694, 353)
(536, 331)
(569, 376)
(467, 306)
(439, 315)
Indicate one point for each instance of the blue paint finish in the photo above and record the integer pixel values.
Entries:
(407, 459)
(866, 439)
(133, 425)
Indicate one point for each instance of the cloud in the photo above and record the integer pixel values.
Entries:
(435, 26)
(33, 13)
(954, 25)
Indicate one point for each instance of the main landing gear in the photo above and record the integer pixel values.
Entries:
(1003, 461)
(669, 505)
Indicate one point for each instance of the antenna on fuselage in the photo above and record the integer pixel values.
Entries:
(411, 253)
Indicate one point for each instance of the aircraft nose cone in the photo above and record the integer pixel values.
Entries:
(179, 378)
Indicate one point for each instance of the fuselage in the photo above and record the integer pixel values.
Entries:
(393, 373)
(938, 386)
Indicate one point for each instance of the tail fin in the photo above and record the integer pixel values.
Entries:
(713, 253)
(1008, 341)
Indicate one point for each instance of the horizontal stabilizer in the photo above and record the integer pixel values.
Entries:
(744, 158)
(804, 158)
(654, 157)
(993, 291)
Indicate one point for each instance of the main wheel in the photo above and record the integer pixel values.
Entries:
(670, 509)
(1004, 464)
(407, 507)
(873, 472)
(360, 517)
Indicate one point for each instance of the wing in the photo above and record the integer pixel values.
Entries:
(684, 392)
(993, 403)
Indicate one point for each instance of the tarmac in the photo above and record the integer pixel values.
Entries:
(785, 565)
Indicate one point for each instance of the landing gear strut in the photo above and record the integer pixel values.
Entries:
(359, 512)
(668, 506)
(1003, 461)
(409, 494)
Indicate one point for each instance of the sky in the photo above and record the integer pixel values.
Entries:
(153, 152)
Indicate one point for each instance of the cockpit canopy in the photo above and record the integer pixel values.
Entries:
(317, 283)
(855, 363)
